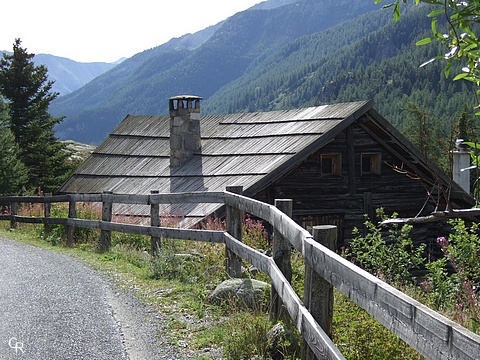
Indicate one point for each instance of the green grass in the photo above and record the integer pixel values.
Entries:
(178, 288)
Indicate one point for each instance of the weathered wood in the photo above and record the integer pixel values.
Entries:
(436, 216)
(428, 332)
(34, 199)
(209, 236)
(251, 206)
(318, 293)
(84, 223)
(414, 323)
(281, 257)
(47, 206)
(289, 229)
(155, 241)
(126, 198)
(256, 258)
(234, 218)
(72, 213)
(322, 345)
(192, 197)
(351, 160)
(106, 235)
(284, 224)
(165, 232)
(86, 197)
(13, 213)
(35, 220)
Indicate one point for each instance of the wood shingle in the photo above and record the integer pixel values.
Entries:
(273, 154)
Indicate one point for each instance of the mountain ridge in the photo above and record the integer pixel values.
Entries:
(69, 75)
(141, 84)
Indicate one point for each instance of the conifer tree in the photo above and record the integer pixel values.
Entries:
(28, 93)
(13, 174)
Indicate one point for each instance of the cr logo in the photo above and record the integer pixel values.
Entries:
(17, 345)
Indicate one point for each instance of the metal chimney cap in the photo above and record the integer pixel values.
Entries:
(186, 97)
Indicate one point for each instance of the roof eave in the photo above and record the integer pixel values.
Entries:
(302, 155)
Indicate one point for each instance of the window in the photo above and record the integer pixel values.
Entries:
(331, 164)
(370, 163)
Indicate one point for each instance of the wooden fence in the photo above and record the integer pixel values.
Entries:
(430, 333)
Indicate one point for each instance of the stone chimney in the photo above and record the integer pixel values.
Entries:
(461, 166)
(184, 128)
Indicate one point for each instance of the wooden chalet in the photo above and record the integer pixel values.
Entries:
(337, 162)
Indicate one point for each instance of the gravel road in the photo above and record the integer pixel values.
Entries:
(54, 307)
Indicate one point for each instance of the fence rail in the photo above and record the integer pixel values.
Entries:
(431, 334)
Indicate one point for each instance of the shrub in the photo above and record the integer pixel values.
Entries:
(456, 290)
(389, 254)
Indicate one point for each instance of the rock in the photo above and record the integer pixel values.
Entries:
(282, 340)
(245, 292)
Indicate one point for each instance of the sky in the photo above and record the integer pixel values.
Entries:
(106, 30)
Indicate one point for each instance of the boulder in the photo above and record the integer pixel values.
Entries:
(246, 292)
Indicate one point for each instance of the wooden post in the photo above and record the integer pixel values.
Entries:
(318, 293)
(281, 256)
(47, 206)
(155, 221)
(234, 219)
(72, 214)
(13, 213)
(106, 235)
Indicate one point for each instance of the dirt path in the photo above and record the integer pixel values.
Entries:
(55, 307)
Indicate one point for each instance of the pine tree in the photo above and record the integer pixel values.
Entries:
(13, 174)
(28, 92)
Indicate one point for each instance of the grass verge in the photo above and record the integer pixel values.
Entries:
(177, 284)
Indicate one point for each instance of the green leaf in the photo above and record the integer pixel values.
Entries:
(473, 145)
(396, 12)
(448, 67)
(434, 27)
(435, 13)
(424, 41)
(461, 76)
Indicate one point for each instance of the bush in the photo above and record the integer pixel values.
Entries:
(453, 280)
(388, 254)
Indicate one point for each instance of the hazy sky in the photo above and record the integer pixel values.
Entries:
(106, 30)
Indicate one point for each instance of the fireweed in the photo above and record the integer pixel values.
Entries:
(452, 281)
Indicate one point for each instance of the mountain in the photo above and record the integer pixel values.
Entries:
(368, 57)
(70, 75)
(276, 55)
(141, 84)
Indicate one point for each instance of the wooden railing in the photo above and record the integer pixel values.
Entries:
(428, 332)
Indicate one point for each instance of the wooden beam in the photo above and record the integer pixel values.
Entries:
(431, 334)
(318, 293)
(106, 235)
(234, 218)
(321, 345)
(351, 160)
(72, 214)
(281, 257)
(155, 241)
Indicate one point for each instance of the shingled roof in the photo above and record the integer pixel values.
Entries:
(245, 149)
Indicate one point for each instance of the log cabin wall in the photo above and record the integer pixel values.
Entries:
(323, 196)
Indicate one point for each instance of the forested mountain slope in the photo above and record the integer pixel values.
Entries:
(368, 57)
(141, 84)
(308, 52)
